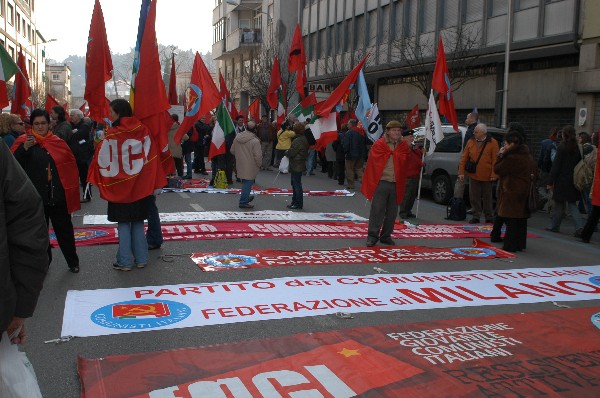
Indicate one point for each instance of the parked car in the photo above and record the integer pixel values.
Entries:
(441, 167)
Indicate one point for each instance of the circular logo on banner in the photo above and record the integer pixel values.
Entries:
(474, 251)
(335, 216)
(595, 280)
(83, 234)
(193, 96)
(596, 319)
(140, 314)
(230, 260)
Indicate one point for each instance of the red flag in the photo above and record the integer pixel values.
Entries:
(50, 103)
(82, 108)
(274, 86)
(21, 101)
(202, 97)
(441, 83)
(324, 108)
(98, 66)
(254, 110)
(308, 101)
(413, 120)
(223, 90)
(151, 103)
(173, 83)
(297, 61)
(234, 112)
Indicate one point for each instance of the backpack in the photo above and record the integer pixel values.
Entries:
(583, 173)
(220, 180)
(456, 209)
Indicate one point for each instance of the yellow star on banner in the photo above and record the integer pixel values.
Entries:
(348, 353)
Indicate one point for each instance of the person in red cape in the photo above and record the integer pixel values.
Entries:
(126, 170)
(384, 182)
(51, 167)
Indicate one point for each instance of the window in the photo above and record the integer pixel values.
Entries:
(11, 51)
(10, 14)
(29, 32)
(525, 4)
(55, 76)
(452, 143)
(427, 16)
(219, 30)
(2, 7)
(359, 30)
(244, 24)
(473, 10)
(373, 28)
(449, 13)
(18, 22)
(497, 8)
(24, 29)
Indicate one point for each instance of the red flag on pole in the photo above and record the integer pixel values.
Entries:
(98, 66)
(83, 109)
(323, 109)
(413, 120)
(202, 97)
(297, 61)
(173, 83)
(21, 101)
(50, 103)
(223, 90)
(441, 83)
(254, 110)
(151, 103)
(274, 86)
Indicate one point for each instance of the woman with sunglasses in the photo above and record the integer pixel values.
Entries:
(51, 167)
(11, 126)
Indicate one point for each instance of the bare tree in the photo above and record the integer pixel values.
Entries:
(417, 56)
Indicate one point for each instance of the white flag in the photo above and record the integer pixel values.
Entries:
(374, 129)
(433, 125)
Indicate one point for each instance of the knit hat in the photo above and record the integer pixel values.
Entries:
(393, 124)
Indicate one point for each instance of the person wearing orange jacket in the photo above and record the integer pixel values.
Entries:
(477, 163)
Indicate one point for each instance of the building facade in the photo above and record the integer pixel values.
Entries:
(242, 30)
(18, 30)
(544, 53)
(58, 82)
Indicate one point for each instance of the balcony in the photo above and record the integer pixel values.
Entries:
(245, 4)
(239, 41)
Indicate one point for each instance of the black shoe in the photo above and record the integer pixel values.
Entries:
(294, 207)
(85, 200)
(74, 270)
(246, 206)
(251, 198)
(371, 242)
(496, 239)
(387, 241)
(153, 247)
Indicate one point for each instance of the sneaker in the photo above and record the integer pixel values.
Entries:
(294, 207)
(246, 206)
(121, 267)
(141, 265)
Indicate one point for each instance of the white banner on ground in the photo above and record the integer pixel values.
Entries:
(136, 309)
(262, 215)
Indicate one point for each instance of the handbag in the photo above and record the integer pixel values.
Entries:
(471, 167)
(284, 165)
(17, 377)
(533, 198)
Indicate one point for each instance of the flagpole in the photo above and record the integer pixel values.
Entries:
(420, 181)
(506, 66)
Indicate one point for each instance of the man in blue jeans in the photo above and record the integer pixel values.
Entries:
(247, 150)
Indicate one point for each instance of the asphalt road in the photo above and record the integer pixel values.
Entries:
(55, 364)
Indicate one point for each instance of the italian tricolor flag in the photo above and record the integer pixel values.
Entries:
(8, 68)
(221, 132)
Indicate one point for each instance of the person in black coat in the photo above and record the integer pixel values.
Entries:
(203, 129)
(560, 182)
(23, 244)
(340, 156)
(83, 149)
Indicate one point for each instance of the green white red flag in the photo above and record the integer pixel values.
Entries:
(8, 68)
(223, 132)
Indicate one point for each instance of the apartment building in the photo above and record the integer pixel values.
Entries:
(242, 29)
(18, 29)
(58, 82)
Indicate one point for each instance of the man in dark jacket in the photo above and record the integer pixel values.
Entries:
(471, 122)
(83, 149)
(23, 247)
(202, 129)
(355, 148)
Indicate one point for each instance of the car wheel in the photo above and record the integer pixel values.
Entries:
(442, 189)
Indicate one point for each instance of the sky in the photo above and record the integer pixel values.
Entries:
(184, 23)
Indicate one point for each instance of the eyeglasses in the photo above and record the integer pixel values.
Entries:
(40, 123)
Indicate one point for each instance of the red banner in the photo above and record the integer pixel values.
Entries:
(550, 354)
(315, 230)
(377, 255)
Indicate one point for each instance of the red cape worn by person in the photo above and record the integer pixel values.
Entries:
(65, 164)
(126, 166)
(378, 157)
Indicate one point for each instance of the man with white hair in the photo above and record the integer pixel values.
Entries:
(83, 149)
(477, 162)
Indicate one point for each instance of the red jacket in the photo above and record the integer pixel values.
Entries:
(414, 163)
(378, 157)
